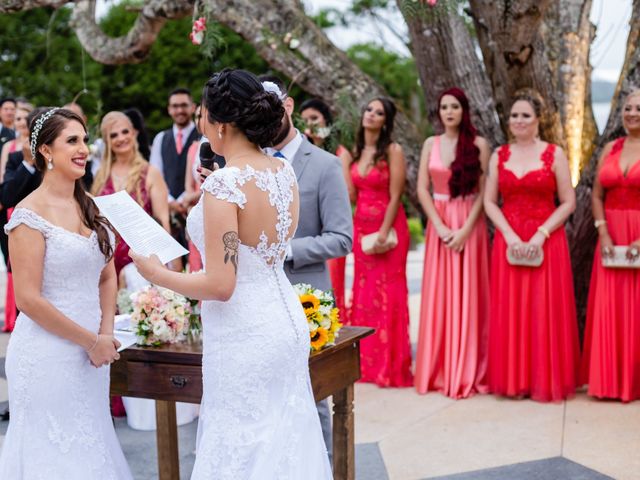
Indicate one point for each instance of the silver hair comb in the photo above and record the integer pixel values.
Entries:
(38, 126)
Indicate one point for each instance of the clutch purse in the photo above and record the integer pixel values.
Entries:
(619, 259)
(523, 261)
(367, 242)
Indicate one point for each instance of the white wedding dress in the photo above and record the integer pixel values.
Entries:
(258, 419)
(60, 426)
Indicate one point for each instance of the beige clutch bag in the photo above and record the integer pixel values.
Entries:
(367, 242)
(523, 261)
(619, 259)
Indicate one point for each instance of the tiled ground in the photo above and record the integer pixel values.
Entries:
(404, 436)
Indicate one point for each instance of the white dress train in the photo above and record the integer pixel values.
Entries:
(60, 426)
(258, 419)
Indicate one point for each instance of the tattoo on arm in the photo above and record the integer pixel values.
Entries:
(231, 245)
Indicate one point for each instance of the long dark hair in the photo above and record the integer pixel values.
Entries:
(50, 130)
(384, 139)
(466, 168)
(137, 120)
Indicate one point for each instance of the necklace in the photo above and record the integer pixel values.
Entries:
(119, 181)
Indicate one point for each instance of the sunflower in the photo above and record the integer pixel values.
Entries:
(319, 338)
(310, 303)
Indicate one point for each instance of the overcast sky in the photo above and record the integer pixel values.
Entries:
(607, 52)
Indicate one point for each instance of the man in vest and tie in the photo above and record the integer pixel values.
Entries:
(169, 154)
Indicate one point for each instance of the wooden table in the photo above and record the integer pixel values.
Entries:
(173, 373)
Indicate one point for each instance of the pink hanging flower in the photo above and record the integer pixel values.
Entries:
(197, 31)
(432, 2)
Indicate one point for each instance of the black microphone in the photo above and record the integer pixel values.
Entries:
(208, 157)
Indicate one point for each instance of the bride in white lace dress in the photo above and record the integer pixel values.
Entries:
(65, 287)
(258, 417)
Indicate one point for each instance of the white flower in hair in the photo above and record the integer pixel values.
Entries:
(273, 88)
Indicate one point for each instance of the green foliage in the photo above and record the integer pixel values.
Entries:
(416, 230)
(50, 70)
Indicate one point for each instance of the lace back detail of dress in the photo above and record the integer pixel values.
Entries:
(225, 184)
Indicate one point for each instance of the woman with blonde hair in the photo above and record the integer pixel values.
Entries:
(124, 168)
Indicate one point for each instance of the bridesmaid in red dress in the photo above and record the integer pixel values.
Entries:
(317, 116)
(124, 168)
(533, 332)
(380, 296)
(611, 361)
(452, 343)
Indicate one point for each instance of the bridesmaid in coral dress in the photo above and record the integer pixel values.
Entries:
(611, 361)
(533, 332)
(452, 344)
(319, 121)
(380, 296)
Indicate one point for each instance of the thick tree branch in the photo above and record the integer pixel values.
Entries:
(444, 40)
(11, 6)
(133, 47)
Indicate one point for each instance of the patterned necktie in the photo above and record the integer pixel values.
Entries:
(179, 142)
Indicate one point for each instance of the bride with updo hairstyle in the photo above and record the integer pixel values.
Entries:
(258, 418)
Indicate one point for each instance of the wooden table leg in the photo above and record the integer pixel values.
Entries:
(344, 461)
(167, 439)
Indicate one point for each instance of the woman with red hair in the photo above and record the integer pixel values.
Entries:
(452, 342)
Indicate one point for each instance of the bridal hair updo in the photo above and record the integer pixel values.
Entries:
(237, 97)
(50, 126)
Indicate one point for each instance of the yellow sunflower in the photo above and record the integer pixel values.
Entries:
(310, 303)
(319, 338)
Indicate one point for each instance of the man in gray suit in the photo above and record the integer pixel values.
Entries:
(325, 226)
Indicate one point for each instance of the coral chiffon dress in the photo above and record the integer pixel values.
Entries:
(452, 343)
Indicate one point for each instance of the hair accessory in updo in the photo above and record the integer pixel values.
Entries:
(273, 88)
(38, 126)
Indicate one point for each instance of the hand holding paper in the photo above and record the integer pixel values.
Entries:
(142, 233)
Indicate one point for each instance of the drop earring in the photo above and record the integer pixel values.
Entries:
(220, 134)
(50, 164)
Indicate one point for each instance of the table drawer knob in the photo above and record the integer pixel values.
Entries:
(178, 381)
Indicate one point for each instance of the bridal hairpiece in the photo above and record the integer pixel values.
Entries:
(38, 126)
(273, 88)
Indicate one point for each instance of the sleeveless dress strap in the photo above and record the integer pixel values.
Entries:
(223, 184)
(548, 156)
(504, 152)
(617, 146)
(24, 216)
(435, 151)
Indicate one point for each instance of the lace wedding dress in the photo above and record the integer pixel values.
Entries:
(258, 419)
(60, 425)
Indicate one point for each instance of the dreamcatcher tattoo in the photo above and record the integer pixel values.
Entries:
(231, 245)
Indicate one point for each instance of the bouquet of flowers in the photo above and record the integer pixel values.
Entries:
(322, 315)
(159, 316)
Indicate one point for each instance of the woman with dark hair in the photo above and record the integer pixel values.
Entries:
(611, 360)
(533, 331)
(380, 298)
(142, 137)
(61, 252)
(452, 343)
(317, 116)
(258, 419)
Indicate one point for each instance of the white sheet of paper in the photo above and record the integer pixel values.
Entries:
(141, 232)
(126, 339)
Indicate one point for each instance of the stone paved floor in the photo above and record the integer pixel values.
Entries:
(404, 436)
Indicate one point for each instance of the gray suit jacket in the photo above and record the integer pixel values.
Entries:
(325, 227)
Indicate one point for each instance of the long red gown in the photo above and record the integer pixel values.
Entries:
(380, 297)
(611, 360)
(533, 332)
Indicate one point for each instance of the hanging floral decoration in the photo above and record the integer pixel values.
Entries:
(197, 31)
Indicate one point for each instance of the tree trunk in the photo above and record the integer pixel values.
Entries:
(443, 39)
(515, 56)
(582, 234)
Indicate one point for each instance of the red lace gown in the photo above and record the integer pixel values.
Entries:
(337, 268)
(533, 331)
(121, 256)
(611, 360)
(380, 295)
